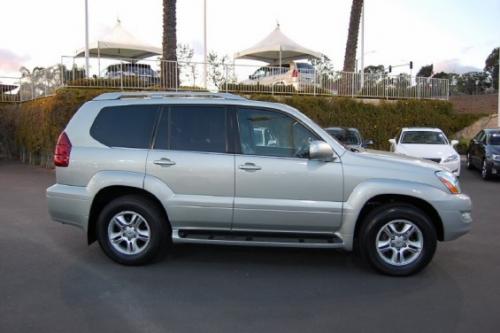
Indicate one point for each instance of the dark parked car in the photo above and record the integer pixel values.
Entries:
(142, 71)
(350, 137)
(484, 153)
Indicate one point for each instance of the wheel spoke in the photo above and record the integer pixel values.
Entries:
(117, 240)
(120, 221)
(392, 228)
(384, 245)
(395, 256)
(408, 229)
(134, 220)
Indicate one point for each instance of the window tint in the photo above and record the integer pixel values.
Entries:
(269, 133)
(128, 126)
(193, 128)
(424, 137)
(494, 139)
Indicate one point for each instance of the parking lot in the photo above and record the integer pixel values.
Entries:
(51, 281)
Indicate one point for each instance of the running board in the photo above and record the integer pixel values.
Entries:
(247, 238)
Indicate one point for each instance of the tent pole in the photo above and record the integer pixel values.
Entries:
(98, 60)
(280, 58)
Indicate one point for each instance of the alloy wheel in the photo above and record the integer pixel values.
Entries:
(399, 242)
(129, 233)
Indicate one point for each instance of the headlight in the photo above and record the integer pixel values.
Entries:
(450, 181)
(495, 157)
(451, 158)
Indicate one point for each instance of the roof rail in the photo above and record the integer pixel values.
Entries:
(165, 94)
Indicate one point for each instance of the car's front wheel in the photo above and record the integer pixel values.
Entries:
(469, 162)
(485, 170)
(397, 239)
(133, 230)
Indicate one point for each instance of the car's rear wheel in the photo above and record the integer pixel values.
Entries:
(397, 239)
(469, 162)
(485, 171)
(133, 230)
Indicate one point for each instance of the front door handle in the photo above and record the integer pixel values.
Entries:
(249, 167)
(164, 162)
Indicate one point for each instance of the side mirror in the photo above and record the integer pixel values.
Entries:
(392, 141)
(320, 150)
(368, 143)
(454, 143)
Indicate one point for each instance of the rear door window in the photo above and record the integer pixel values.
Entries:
(193, 128)
(127, 126)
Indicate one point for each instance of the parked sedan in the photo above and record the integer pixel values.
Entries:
(484, 153)
(350, 137)
(429, 144)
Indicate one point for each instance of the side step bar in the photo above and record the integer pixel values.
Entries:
(247, 238)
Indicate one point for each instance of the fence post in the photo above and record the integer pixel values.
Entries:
(314, 82)
(225, 76)
(176, 76)
(121, 75)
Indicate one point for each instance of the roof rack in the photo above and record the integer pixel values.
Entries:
(165, 94)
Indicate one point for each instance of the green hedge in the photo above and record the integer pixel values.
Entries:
(35, 125)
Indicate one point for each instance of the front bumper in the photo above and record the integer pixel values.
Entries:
(455, 213)
(69, 204)
(494, 167)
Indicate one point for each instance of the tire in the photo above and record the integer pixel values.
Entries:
(469, 163)
(485, 171)
(401, 255)
(138, 226)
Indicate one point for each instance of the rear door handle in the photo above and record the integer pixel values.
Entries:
(164, 162)
(249, 167)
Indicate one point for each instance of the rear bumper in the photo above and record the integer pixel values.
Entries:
(455, 213)
(69, 205)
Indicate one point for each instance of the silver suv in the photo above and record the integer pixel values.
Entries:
(139, 171)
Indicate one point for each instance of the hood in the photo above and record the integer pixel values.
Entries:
(398, 159)
(426, 151)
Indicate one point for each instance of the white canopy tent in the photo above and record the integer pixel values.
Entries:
(120, 44)
(277, 48)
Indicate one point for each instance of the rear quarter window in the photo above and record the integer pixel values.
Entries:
(128, 126)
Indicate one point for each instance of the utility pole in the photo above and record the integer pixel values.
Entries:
(205, 50)
(87, 38)
(498, 115)
(363, 46)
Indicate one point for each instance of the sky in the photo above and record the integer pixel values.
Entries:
(454, 35)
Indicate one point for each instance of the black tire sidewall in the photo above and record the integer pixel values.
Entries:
(151, 213)
(381, 216)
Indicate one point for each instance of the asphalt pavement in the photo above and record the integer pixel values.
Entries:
(51, 281)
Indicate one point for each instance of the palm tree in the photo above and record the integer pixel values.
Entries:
(170, 74)
(352, 37)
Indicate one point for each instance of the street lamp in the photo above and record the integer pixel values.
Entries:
(205, 50)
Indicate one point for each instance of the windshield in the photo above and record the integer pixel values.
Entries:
(424, 138)
(345, 136)
(495, 139)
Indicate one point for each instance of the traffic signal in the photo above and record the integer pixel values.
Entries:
(390, 69)
(411, 64)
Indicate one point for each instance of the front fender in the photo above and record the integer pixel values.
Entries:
(369, 189)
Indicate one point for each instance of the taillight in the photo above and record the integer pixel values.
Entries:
(295, 73)
(63, 150)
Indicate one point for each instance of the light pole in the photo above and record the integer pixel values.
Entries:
(363, 46)
(205, 50)
(87, 38)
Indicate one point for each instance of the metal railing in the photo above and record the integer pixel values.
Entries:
(41, 82)
(126, 74)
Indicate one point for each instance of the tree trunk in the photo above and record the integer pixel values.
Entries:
(352, 37)
(169, 70)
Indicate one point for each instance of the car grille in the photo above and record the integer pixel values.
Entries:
(437, 160)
